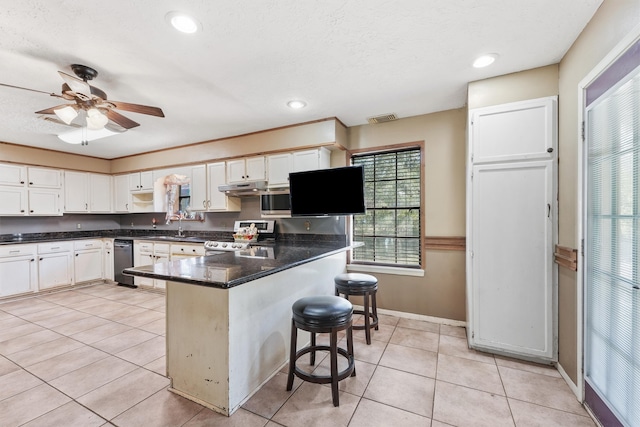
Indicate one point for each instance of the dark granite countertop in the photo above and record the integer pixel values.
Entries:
(228, 269)
(156, 235)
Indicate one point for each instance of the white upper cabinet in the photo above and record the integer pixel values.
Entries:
(44, 201)
(318, 158)
(15, 175)
(198, 188)
(76, 191)
(121, 193)
(44, 177)
(217, 200)
(15, 200)
(99, 192)
(278, 168)
(249, 169)
(141, 181)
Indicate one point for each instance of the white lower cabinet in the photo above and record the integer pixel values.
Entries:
(148, 253)
(87, 263)
(55, 264)
(18, 269)
(108, 259)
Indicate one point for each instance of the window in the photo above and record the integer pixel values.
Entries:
(390, 229)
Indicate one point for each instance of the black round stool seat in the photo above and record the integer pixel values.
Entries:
(322, 314)
(356, 282)
(364, 285)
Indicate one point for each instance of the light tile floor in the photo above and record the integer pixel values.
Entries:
(94, 356)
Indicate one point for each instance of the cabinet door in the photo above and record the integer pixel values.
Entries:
(134, 181)
(318, 158)
(217, 200)
(44, 201)
(76, 191)
(255, 169)
(121, 193)
(44, 178)
(146, 181)
(161, 257)
(14, 201)
(54, 270)
(198, 188)
(278, 168)
(99, 193)
(13, 175)
(18, 275)
(235, 171)
(88, 265)
(108, 260)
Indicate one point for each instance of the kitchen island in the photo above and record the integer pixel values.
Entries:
(229, 316)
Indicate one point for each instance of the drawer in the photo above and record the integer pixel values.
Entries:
(194, 250)
(17, 250)
(53, 247)
(87, 244)
(161, 248)
(108, 243)
(145, 246)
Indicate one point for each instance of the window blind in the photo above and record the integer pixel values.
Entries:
(612, 276)
(390, 229)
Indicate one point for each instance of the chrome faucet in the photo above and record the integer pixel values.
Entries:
(180, 233)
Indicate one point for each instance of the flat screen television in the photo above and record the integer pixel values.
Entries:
(331, 192)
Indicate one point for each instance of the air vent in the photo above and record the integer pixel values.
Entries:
(382, 118)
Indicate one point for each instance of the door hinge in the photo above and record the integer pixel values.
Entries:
(582, 247)
(583, 136)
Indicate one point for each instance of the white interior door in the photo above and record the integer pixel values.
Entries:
(512, 222)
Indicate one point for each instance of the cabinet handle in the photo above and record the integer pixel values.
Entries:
(193, 250)
(21, 210)
(31, 183)
(86, 206)
(77, 254)
(21, 182)
(127, 205)
(31, 211)
(32, 260)
(204, 203)
(15, 252)
(40, 259)
(55, 247)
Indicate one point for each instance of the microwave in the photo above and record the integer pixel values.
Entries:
(275, 204)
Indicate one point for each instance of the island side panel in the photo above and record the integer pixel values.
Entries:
(260, 322)
(198, 343)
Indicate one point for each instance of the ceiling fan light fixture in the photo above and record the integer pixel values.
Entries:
(82, 136)
(66, 114)
(485, 60)
(183, 22)
(95, 119)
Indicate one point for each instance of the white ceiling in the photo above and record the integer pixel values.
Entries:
(346, 59)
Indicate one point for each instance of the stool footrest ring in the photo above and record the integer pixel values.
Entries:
(324, 379)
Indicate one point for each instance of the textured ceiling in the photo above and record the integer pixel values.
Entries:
(346, 59)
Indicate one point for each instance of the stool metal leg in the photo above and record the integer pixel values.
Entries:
(375, 308)
(334, 367)
(312, 354)
(350, 347)
(292, 355)
(367, 320)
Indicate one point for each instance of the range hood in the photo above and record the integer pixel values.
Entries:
(253, 188)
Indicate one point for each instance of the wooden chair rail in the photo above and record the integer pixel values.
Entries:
(566, 257)
(445, 243)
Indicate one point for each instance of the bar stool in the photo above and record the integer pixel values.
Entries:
(322, 314)
(365, 285)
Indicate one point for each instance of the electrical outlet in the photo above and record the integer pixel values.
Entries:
(78, 226)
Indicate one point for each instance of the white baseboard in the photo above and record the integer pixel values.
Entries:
(567, 379)
(414, 316)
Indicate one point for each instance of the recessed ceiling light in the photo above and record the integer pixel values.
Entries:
(296, 105)
(485, 60)
(183, 22)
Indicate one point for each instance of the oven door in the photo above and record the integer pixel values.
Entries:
(275, 205)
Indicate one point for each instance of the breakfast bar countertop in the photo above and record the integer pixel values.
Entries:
(228, 269)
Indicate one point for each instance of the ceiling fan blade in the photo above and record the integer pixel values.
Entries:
(137, 108)
(51, 110)
(76, 85)
(123, 121)
(32, 90)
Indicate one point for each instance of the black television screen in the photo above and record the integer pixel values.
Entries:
(336, 191)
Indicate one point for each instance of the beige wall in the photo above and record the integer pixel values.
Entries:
(440, 293)
(55, 159)
(324, 132)
(613, 21)
(529, 84)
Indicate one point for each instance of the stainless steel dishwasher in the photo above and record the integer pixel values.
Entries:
(123, 258)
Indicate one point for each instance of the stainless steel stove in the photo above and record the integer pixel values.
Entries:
(265, 230)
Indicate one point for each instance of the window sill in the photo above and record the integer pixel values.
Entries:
(399, 271)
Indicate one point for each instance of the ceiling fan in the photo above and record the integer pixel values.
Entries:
(90, 102)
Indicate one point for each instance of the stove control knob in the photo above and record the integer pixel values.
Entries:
(224, 245)
(214, 244)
